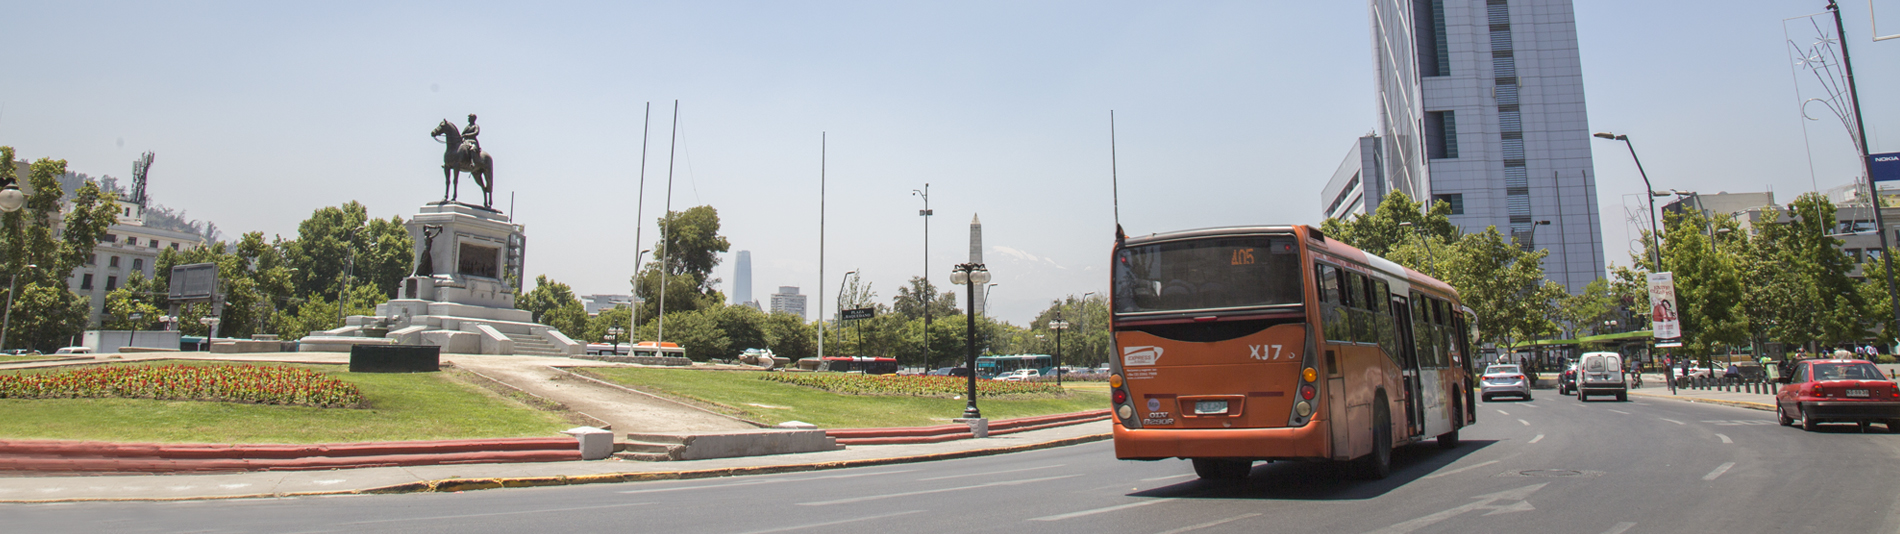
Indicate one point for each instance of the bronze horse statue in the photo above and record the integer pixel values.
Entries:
(456, 160)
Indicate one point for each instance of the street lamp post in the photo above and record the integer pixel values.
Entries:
(12, 286)
(970, 275)
(1058, 325)
(1655, 250)
(1084, 321)
(821, 320)
(613, 337)
(926, 213)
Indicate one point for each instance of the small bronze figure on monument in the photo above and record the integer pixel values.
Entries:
(425, 261)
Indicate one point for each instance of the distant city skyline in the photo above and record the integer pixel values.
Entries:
(1228, 113)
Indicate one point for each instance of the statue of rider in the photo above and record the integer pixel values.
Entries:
(471, 142)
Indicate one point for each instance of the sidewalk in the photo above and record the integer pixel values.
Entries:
(446, 478)
(1654, 387)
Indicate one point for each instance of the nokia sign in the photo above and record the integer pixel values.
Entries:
(1884, 167)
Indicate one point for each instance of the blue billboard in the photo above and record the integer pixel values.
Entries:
(1885, 167)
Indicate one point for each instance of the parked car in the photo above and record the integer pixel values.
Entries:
(1504, 380)
(950, 371)
(1837, 391)
(1601, 373)
(1567, 382)
(1019, 375)
(73, 350)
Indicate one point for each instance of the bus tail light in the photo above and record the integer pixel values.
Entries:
(1120, 396)
(1114, 381)
(1307, 391)
(1303, 408)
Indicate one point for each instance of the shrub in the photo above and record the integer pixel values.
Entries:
(226, 383)
(912, 385)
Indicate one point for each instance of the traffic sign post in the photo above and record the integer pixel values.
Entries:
(856, 315)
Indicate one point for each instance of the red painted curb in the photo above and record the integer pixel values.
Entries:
(72, 456)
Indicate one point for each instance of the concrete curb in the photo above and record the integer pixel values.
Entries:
(1724, 402)
(456, 485)
(93, 457)
(951, 432)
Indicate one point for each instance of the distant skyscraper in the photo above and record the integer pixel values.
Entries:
(976, 256)
(788, 300)
(742, 278)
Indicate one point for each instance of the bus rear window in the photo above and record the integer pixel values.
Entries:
(1230, 272)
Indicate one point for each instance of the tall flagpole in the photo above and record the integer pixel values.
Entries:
(821, 246)
(639, 216)
(666, 231)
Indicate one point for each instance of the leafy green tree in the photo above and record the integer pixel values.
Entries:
(1397, 220)
(1504, 286)
(47, 315)
(744, 328)
(547, 296)
(692, 247)
(597, 326)
(697, 331)
(788, 336)
(1796, 288)
(132, 306)
(910, 304)
(321, 254)
(1708, 282)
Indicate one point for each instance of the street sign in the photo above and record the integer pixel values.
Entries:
(198, 281)
(858, 313)
(1885, 167)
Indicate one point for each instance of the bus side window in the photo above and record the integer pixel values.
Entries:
(1382, 297)
(1328, 277)
(1438, 311)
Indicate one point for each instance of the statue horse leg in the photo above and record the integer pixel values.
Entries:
(445, 182)
(488, 181)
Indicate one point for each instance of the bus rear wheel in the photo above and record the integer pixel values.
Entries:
(1377, 464)
(1449, 440)
(1222, 469)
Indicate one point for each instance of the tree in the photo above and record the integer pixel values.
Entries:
(132, 306)
(1504, 286)
(47, 315)
(1796, 288)
(909, 301)
(692, 246)
(1385, 228)
(744, 328)
(321, 254)
(789, 336)
(1708, 282)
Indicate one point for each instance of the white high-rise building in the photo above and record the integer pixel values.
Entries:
(788, 300)
(1481, 106)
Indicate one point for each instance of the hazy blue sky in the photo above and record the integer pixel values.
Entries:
(1228, 113)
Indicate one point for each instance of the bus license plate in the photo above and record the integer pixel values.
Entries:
(1210, 407)
(1856, 393)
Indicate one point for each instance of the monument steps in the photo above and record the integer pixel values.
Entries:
(533, 345)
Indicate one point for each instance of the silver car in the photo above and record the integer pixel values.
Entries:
(1504, 380)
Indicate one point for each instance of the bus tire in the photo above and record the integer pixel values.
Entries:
(1222, 469)
(1378, 463)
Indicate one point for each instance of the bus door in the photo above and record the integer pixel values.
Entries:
(1408, 366)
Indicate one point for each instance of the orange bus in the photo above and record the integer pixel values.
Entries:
(1269, 343)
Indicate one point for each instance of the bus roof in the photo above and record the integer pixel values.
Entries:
(1315, 240)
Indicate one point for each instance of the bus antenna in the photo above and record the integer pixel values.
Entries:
(1114, 180)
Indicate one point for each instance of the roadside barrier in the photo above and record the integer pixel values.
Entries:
(941, 433)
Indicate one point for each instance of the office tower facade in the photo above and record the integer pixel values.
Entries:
(1481, 106)
(742, 279)
(976, 256)
(788, 300)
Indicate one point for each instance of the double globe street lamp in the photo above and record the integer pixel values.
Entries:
(970, 275)
(11, 200)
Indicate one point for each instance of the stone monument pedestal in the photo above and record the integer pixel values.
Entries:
(462, 297)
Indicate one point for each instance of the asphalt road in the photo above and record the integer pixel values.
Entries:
(1551, 465)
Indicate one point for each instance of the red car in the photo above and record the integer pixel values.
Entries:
(1838, 391)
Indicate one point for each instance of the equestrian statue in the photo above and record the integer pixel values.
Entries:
(463, 153)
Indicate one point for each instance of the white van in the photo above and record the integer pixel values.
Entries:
(1601, 373)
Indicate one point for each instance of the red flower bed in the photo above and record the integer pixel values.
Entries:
(227, 383)
(915, 386)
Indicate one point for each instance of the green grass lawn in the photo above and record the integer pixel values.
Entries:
(11, 359)
(403, 406)
(742, 393)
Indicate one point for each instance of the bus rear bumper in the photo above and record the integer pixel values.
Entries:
(1309, 442)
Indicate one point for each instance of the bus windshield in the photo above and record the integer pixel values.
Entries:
(1222, 272)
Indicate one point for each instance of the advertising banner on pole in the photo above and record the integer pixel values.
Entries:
(1664, 322)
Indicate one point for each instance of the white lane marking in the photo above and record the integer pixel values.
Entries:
(1166, 477)
(232, 486)
(1620, 528)
(1540, 437)
(1072, 515)
(938, 490)
(1484, 501)
(517, 512)
(1463, 469)
(766, 481)
(1526, 423)
(1501, 411)
(1528, 405)
(1621, 412)
(1673, 421)
(989, 473)
(1718, 471)
(1209, 524)
(328, 482)
(1724, 438)
(830, 523)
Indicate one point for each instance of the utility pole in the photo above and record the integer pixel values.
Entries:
(1860, 135)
